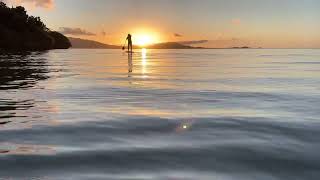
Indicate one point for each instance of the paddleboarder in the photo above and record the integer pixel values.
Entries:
(129, 39)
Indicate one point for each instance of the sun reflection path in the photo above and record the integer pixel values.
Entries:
(144, 62)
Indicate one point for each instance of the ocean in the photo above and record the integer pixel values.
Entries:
(216, 114)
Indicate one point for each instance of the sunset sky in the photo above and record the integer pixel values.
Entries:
(208, 23)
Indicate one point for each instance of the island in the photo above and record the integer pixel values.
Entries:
(19, 31)
(78, 43)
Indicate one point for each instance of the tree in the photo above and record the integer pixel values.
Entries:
(3, 5)
(21, 11)
(20, 31)
(36, 22)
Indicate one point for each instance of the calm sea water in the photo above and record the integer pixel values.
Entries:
(179, 115)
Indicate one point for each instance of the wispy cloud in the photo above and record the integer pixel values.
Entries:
(47, 4)
(193, 42)
(177, 35)
(75, 31)
(236, 21)
(40, 3)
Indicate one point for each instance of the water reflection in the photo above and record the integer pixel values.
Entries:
(130, 63)
(9, 107)
(144, 62)
(215, 111)
(26, 149)
(19, 71)
(22, 70)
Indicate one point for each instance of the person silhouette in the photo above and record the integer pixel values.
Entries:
(129, 38)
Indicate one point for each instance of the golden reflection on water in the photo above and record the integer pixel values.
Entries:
(144, 62)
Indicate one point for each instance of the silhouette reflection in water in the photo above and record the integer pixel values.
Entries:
(130, 63)
(22, 70)
(19, 71)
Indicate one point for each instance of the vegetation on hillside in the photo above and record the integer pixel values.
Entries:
(19, 31)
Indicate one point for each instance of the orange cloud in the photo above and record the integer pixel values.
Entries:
(47, 4)
(193, 42)
(177, 35)
(75, 31)
(236, 21)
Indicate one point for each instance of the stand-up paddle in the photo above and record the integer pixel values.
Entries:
(124, 45)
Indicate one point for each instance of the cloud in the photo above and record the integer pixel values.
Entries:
(177, 35)
(236, 21)
(193, 42)
(40, 3)
(75, 31)
(47, 4)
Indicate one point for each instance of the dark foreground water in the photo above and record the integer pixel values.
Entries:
(180, 115)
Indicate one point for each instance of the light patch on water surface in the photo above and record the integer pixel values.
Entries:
(26, 149)
(144, 62)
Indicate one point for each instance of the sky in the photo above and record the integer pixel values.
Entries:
(207, 23)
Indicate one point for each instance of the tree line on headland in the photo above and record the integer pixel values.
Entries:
(19, 31)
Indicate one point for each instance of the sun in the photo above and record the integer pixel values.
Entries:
(145, 36)
(143, 39)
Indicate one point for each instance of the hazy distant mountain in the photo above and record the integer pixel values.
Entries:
(89, 44)
(243, 47)
(169, 45)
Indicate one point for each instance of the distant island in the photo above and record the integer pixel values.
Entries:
(89, 44)
(19, 31)
(244, 47)
(171, 45)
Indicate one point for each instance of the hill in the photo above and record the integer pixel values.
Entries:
(169, 45)
(89, 44)
(19, 31)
